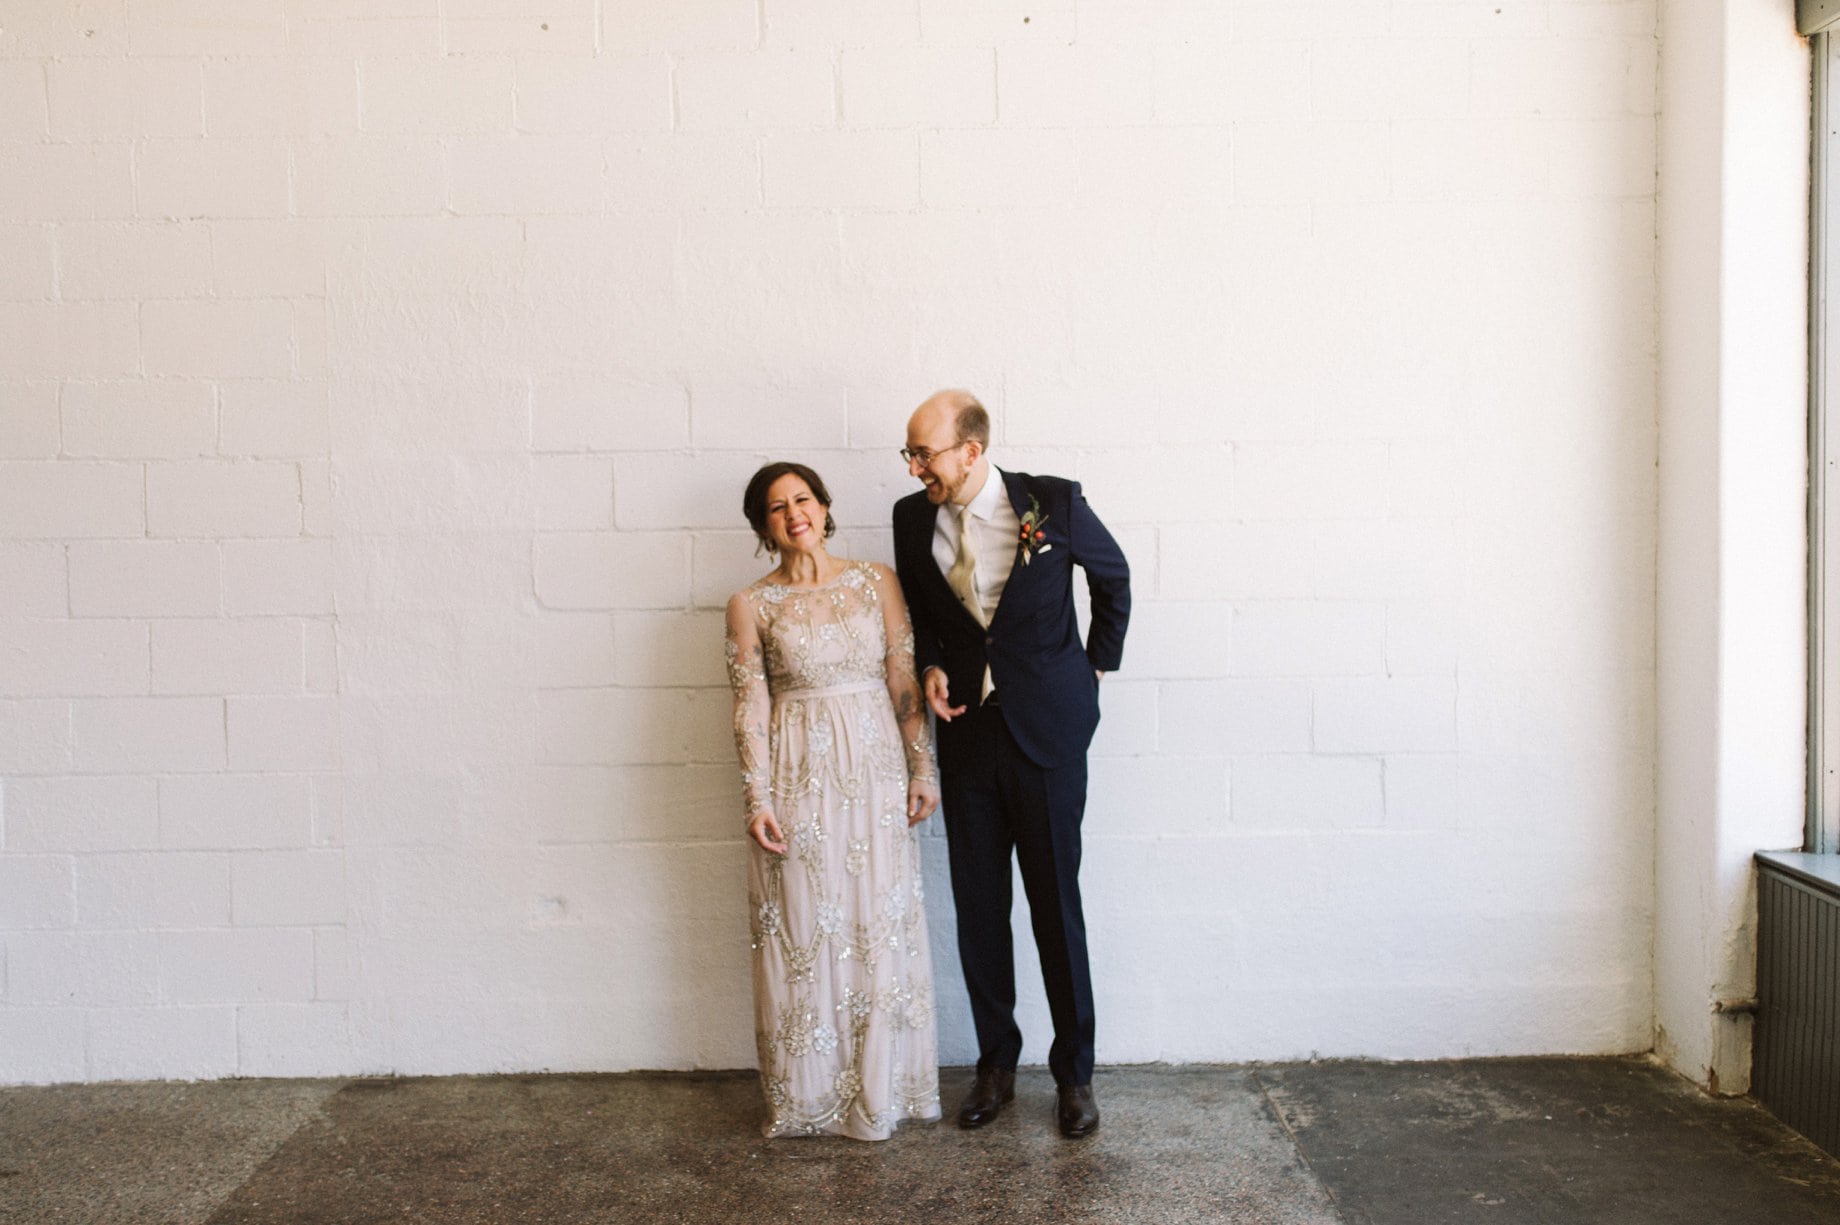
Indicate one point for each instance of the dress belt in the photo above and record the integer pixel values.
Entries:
(828, 691)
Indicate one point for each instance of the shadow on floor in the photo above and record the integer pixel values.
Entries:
(1513, 1140)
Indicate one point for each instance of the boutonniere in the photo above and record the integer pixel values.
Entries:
(1031, 538)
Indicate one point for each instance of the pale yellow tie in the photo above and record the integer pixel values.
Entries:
(961, 577)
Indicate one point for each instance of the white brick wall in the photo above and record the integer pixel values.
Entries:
(377, 389)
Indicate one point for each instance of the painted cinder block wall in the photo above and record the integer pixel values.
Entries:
(377, 384)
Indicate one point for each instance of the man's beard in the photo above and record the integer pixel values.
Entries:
(949, 491)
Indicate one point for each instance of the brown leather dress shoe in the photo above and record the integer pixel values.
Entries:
(987, 1097)
(1077, 1113)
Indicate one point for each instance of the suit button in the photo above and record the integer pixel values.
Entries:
(988, 640)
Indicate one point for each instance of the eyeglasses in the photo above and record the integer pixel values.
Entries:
(924, 457)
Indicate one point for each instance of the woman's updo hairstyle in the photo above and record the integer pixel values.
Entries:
(754, 500)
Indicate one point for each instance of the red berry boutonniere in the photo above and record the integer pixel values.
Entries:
(1031, 538)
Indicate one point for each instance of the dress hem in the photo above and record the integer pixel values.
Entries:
(768, 1131)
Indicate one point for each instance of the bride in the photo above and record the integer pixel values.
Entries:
(837, 769)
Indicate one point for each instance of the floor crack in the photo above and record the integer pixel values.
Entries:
(1297, 1147)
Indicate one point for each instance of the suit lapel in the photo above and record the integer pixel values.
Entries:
(1017, 488)
(925, 523)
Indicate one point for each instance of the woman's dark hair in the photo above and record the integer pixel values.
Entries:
(754, 501)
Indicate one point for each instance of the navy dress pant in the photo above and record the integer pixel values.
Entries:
(996, 802)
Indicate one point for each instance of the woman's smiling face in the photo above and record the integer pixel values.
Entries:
(795, 517)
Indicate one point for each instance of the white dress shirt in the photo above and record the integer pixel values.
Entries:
(995, 527)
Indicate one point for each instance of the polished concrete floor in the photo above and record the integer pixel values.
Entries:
(1514, 1140)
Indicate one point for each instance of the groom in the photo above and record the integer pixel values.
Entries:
(986, 562)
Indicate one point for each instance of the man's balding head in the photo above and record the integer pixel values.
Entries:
(958, 410)
(949, 433)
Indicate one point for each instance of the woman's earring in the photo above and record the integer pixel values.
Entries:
(830, 524)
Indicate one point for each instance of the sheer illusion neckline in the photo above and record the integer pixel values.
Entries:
(849, 567)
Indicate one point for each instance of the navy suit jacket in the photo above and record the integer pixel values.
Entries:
(1042, 673)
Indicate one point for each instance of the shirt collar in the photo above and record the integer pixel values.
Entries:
(984, 505)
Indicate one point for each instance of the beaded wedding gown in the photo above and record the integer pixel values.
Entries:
(843, 982)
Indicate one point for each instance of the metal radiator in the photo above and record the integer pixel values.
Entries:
(1795, 1062)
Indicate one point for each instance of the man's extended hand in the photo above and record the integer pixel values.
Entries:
(938, 695)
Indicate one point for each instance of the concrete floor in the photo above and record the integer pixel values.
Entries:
(1516, 1140)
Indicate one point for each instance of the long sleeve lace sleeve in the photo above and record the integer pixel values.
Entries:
(903, 685)
(747, 677)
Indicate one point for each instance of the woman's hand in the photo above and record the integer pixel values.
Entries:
(763, 827)
(922, 799)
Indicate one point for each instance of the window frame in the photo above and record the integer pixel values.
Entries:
(1821, 833)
